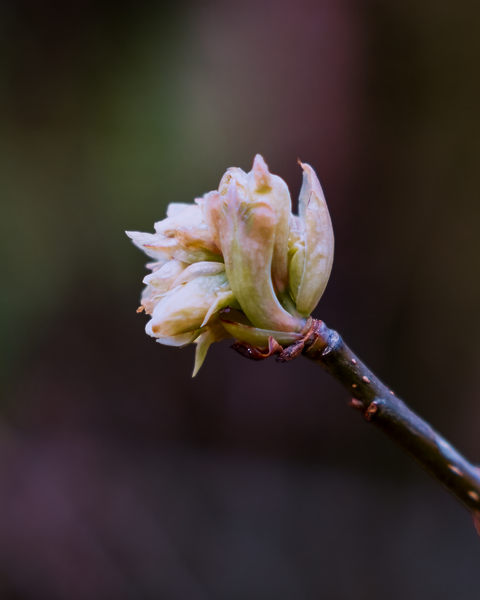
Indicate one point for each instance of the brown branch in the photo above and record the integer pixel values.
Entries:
(383, 409)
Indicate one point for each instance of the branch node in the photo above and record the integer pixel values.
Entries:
(372, 410)
(291, 352)
(455, 470)
(310, 336)
(255, 353)
(379, 404)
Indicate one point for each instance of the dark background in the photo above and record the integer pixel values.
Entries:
(120, 476)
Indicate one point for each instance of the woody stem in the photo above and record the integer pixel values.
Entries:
(383, 409)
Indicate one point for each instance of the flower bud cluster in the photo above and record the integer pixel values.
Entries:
(239, 247)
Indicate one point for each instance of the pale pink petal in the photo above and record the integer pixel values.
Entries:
(175, 207)
(246, 235)
(149, 243)
(189, 216)
(272, 189)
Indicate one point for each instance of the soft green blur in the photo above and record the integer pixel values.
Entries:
(98, 136)
(120, 475)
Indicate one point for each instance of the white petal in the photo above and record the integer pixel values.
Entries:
(185, 309)
(155, 266)
(178, 340)
(188, 227)
(198, 269)
(150, 298)
(148, 243)
(161, 245)
(163, 278)
(191, 215)
(175, 207)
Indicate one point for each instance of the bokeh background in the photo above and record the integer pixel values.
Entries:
(120, 476)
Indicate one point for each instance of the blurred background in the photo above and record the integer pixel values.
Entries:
(120, 476)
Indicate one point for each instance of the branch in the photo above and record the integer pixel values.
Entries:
(383, 409)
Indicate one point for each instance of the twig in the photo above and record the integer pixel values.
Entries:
(383, 409)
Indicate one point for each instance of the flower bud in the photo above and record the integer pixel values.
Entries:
(184, 309)
(239, 247)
